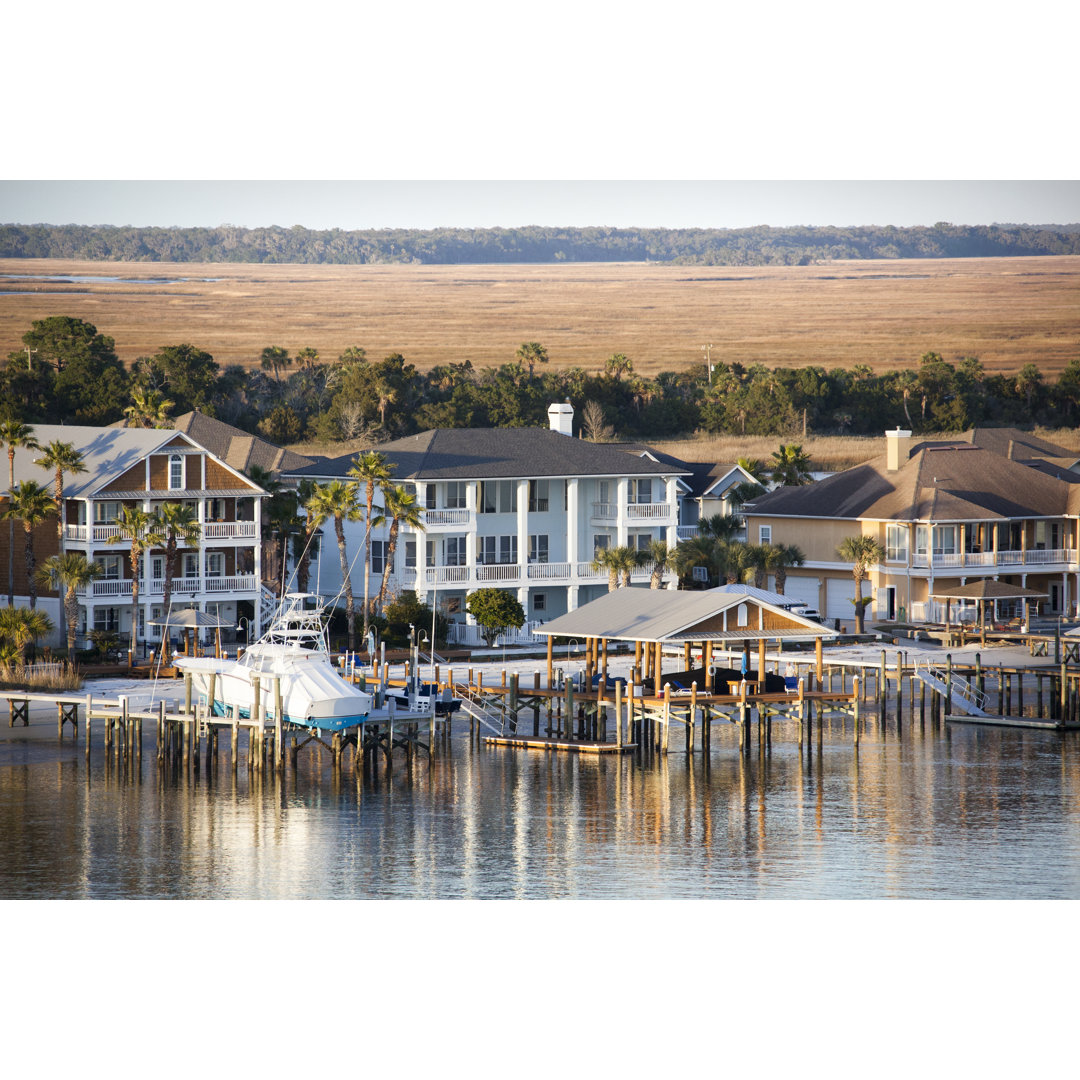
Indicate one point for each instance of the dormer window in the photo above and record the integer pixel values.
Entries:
(176, 472)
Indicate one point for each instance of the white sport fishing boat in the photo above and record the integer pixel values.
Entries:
(293, 650)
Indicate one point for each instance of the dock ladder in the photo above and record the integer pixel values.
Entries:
(965, 698)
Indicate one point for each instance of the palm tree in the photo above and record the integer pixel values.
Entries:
(532, 353)
(699, 550)
(791, 466)
(180, 524)
(63, 457)
(618, 365)
(302, 541)
(15, 434)
(756, 559)
(862, 552)
(144, 531)
(370, 469)
(148, 409)
(755, 468)
(660, 555)
(401, 508)
(31, 504)
(629, 560)
(67, 573)
(605, 559)
(720, 526)
(22, 626)
(338, 500)
(273, 358)
(786, 555)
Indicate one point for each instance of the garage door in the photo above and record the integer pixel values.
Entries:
(804, 589)
(838, 605)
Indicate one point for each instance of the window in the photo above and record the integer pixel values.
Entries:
(190, 564)
(110, 567)
(921, 538)
(603, 491)
(493, 550)
(498, 497)
(539, 601)
(157, 568)
(640, 541)
(215, 564)
(176, 472)
(944, 540)
(106, 513)
(453, 605)
(107, 619)
(640, 491)
(455, 495)
(217, 510)
(410, 554)
(455, 551)
(742, 615)
(538, 548)
(700, 573)
(764, 534)
(896, 543)
(600, 542)
(538, 496)
(429, 552)
(380, 549)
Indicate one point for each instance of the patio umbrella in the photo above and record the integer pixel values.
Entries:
(187, 620)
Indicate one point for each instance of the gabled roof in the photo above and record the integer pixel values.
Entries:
(634, 614)
(496, 453)
(108, 452)
(939, 481)
(237, 448)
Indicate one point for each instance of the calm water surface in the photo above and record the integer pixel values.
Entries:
(959, 813)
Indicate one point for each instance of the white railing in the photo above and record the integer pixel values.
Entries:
(107, 587)
(74, 532)
(241, 583)
(446, 575)
(549, 571)
(648, 511)
(1031, 557)
(446, 517)
(186, 586)
(463, 634)
(498, 572)
(1039, 557)
(686, 532)
(228, 530)
(587, 570)
(605, 511)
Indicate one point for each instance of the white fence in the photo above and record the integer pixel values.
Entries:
(473, 637)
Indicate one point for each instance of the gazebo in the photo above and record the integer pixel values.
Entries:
(187, 620)
(655, 618)
(981, 591)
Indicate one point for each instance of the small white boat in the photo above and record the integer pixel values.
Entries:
(294, 652)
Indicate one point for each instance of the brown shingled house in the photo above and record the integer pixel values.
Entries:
(993, 502)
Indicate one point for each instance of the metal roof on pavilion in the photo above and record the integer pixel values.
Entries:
(634, 614)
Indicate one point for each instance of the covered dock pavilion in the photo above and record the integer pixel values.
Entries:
(655, 619)
(983, 591)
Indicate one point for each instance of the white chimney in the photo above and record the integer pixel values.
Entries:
(561, 417)
(897, 448)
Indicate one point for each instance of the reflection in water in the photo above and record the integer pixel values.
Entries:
(964, 813)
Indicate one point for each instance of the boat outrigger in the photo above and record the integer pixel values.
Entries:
(293, 652)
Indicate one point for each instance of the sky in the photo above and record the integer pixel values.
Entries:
(580, 113)
(375, 204)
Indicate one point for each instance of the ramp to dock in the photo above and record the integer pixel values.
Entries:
(965, 699)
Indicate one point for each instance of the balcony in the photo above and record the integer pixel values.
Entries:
(498, 572)
(549, 571)
(605, 511)
(649, 511)
(228, 530)
(953, 560)
(444, 519)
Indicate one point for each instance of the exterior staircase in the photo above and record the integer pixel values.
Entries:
(965, 698)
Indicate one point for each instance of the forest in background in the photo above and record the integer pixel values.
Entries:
(69, 372)
(757, 246)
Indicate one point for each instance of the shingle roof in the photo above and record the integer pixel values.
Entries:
(237, 448)
(496, 453)
(939, 481)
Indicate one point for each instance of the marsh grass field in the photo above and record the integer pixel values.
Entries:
(885, 314)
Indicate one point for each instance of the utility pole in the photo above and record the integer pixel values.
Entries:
(707, 350)
(29, 358)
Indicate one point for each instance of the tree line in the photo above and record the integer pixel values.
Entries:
(757, 246)
(68, 372)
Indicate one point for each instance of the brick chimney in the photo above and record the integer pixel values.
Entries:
(561, 417)
(897, 448)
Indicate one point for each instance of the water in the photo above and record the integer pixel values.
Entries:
(962, 812)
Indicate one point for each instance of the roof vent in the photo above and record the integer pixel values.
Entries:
(561, 417)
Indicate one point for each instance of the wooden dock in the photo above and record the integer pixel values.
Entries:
(1013, 722)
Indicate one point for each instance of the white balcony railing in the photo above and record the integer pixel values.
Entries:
(499, 572)
(107, 587)
(605, 511)
(447, 575)
(587, 570)
(648, 511)
(228, 530)
(549, 571)
(446, 517)
(687, 532)
(1031, 557)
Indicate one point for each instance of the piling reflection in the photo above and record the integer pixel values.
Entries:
(919, 809)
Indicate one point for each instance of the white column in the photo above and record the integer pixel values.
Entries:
(523, 542)
(472, 491)
(673, 502)
(621, 496)
(573, 515)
